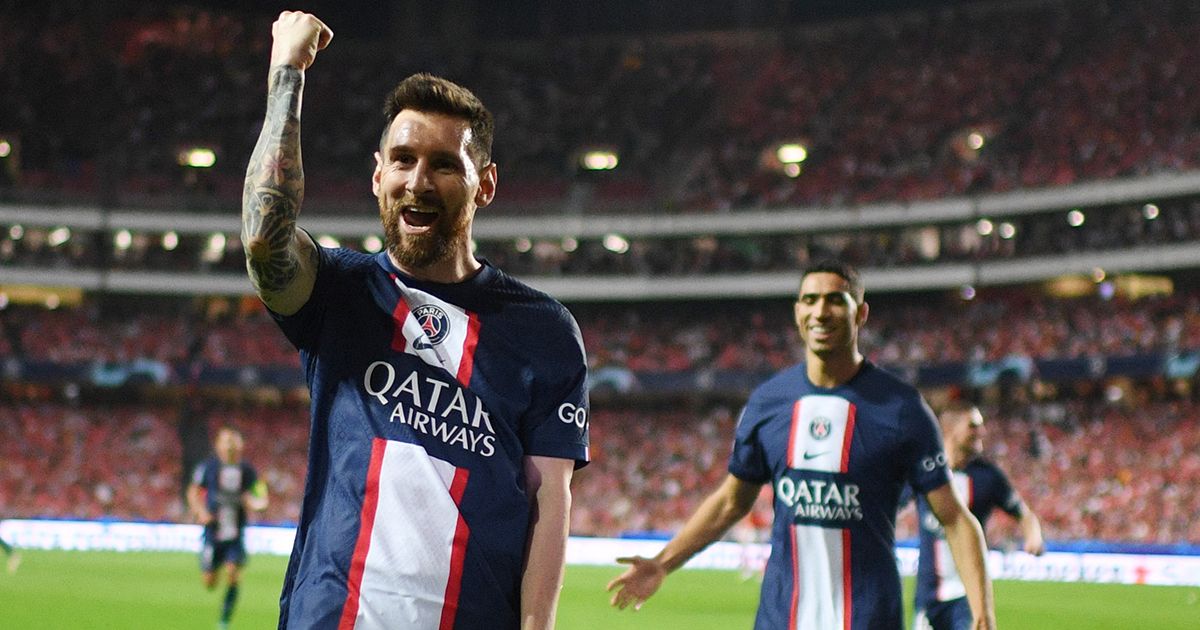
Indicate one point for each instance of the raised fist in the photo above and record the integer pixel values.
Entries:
(297, 38)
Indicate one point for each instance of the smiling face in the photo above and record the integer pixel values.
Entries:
(428, 190)
(828, 316)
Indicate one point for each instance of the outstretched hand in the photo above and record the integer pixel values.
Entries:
(637, 583)
(297, 36)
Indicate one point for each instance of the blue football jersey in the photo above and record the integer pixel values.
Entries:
(426, 398)
(223, 486)
(837, 459)
(983, 487)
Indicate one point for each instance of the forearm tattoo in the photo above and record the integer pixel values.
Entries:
(274, 188)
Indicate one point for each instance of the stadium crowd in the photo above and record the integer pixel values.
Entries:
(935, 103)
(1126, 472)
(755, 337)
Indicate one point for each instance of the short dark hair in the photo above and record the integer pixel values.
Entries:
(425, 92)
(955, 408)
(839, 268)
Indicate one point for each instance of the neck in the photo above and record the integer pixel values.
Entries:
(448, 271)
(956, 458)
(831, 371)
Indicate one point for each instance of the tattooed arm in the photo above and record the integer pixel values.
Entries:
(281, 260)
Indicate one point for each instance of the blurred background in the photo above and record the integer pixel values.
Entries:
(1020, 182)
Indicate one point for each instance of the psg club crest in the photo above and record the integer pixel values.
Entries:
(820, 428)
(433, 321)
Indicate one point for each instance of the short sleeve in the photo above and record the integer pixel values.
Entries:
(1009, 499)
(198, 474)
(925, 463)
(301, 328)
(748, 461)
(249, 477)
(557, 423)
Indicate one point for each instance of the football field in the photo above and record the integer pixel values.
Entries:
(70, 590)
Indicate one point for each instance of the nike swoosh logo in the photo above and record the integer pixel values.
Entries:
(808, 455)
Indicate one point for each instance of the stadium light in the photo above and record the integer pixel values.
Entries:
(328, 241)
(1075, 218)
(975, 140)
(967, 292)
(170, 241)
(616, 243)
(16, 231)
(58, 236)
(1098, 275)
(523, 245)
(5, 148)
(792, 170)
(791, 153)
(984, 227)
(1007, 230)
(372, 243)
(215, 249)
(599, 160)
(1150, 211)
(197, 157)
(123, 240)
(570, 244)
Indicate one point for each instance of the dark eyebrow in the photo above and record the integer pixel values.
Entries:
(436, 155)
(826, 295)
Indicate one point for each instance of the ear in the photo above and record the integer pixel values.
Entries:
(861, 317)
(488, 178)
(796, 313)
(377, 174)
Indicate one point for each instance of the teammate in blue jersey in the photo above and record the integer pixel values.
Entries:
(941, 598)
(222, 489)
(449, 400)
(838, 439)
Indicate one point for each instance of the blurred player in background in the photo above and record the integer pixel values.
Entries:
(223, 488)
(13, 557)
(839, 439)
(449, 400)
(940, 598)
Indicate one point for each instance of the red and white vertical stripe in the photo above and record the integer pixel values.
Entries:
(408, 560)
(821, 434)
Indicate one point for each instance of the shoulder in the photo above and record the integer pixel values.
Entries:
(343, 260)
(774, 396)
(528, 307)
(981, 467)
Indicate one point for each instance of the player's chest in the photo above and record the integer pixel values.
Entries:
(829, 434)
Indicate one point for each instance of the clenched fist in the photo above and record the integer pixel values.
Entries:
(297, 38)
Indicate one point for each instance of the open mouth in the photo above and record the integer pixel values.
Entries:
(418, 217)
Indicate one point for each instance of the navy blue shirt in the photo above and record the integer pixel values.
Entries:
(837, 459)
(983, 487)
(426, 398)
(223, 486)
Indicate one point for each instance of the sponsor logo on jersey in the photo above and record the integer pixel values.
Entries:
(829, 500)
(439, 408)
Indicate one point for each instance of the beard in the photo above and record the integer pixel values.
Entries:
(419, 251)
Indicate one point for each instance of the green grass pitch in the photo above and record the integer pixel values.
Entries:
(69, 590)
